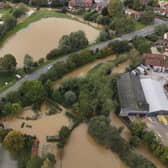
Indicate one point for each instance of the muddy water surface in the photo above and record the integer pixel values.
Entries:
(82, 71)
(42, 36)
(83, 152)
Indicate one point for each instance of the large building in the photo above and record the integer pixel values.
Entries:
(146, 92)
(131, 95)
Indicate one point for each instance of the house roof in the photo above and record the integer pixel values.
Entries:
(131, 94)
(156, 60)
(132, 11)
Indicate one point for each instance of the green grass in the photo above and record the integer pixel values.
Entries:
(5, 11)
(139, 26)
(43, 13)
(6, 77)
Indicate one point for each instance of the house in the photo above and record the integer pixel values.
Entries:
(80, 3)
(161, 11)
(131, 95)
(101, 3)
(133, 13)
(157, 61)
(165, 36)
(163, 4)
(163, 44)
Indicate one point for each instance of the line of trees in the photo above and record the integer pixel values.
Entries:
(140, 134)
(109, 136)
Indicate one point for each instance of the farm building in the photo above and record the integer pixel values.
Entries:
(131, 95)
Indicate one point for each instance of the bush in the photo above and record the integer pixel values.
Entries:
(70, 97)
(54, 53)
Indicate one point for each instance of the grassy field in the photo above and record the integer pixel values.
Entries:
(43, 13)
(5, 11)
(139, 26)
(6, 77)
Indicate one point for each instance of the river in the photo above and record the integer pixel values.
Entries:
(42, 36)
(83, 152)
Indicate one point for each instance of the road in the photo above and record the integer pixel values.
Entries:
(35, 75)
(160, 130)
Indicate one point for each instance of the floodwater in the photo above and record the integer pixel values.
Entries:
(82, 151)
(5, 160)
(42, 127)
(42, 36)
(82, 71)
(146, 153)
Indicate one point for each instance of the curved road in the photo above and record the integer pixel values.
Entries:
(35, 75)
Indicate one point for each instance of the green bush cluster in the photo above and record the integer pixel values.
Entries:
(149, 138)
(109, 136)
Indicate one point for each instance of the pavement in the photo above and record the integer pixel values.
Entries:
(160, 130)
(35, 75)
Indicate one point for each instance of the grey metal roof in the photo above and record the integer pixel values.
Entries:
(131, 94)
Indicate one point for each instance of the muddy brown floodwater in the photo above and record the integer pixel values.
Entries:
(42, 127)
(42, 36)
(83, 70)
(82, 151)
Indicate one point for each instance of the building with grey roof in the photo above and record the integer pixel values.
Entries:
(131, 95)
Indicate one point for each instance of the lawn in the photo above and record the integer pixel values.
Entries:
(139, 26)
(43, 13)
(5, 11)
(6, 77)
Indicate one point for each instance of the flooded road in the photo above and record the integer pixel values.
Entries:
(42, 36)
(83, 152)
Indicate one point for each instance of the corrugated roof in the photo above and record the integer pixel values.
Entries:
(131, 94)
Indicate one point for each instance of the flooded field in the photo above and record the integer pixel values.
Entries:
(42, 36)
(82, 152)
(42, 127)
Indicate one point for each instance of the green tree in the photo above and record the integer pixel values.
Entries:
(142, 44)
(70, 97)
(8, 62)
(104, 35)
(28, 61)
(138, 128)
(32, 93)
(147, 17)
(134, 141)
(73, 42)
(114, 7)
(34, 162)
(64, 134)
(14, 142)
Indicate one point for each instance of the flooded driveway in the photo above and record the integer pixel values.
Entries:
(42, 36)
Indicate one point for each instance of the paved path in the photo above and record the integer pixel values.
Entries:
(35, 75)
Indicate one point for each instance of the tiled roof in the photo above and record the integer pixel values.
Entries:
(155, 60)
